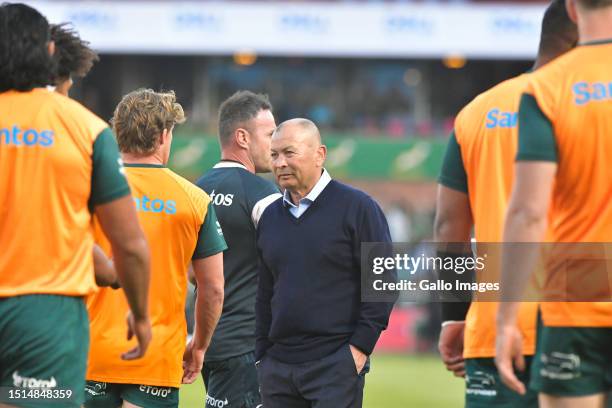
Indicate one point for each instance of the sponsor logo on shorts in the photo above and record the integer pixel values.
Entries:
(216, 403)
(480, 383)
(95, 388)
(162, 392)
(560, 366)
(31, 382)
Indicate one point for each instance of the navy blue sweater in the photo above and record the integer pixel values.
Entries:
(309, 294)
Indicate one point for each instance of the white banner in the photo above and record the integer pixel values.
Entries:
(304, 29)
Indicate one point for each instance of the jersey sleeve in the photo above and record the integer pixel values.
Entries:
(536, 140)
(210, 236)
(108, 180)
(453, 173)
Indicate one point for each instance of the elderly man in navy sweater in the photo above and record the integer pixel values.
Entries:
(314, 334)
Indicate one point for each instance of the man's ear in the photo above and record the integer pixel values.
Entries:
(242, 137)
(570, 5)
(51, 48)
(321, 155)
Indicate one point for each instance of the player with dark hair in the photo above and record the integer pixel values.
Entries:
(246, 125)
(59, 164)
(26, 54)
(74, 57)
(473, 191)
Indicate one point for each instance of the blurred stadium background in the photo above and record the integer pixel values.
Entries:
(383, 80)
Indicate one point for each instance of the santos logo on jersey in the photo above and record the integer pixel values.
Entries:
(497, 118)
(585, 92)
(26, 137)
(221, 199)
(155, 205)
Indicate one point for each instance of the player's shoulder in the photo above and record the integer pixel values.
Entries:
(226, 176)
(271, 208)
(198, 197)
(256, 186)
(351, 194)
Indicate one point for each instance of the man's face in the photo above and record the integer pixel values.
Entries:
(296, 160)
(260, 129)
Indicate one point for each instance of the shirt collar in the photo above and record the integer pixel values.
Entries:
(314, 193)
(227, 164)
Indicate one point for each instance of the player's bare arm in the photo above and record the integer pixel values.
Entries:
(208, 273)
(104, 269)
(453, 223)
(526, 221)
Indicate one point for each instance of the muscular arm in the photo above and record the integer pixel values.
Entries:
(208, 273)
(526, 221)
(104, 269)
(526, 218)
(453, 221)
(453, 224)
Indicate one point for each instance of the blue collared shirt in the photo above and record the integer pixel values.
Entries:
(304, 203)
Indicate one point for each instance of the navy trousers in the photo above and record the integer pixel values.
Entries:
(330, 382)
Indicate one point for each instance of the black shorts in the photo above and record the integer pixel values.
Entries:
(232, 383)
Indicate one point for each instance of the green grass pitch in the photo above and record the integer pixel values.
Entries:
(395, 381)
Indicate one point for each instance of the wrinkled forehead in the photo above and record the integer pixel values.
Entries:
(290, 137)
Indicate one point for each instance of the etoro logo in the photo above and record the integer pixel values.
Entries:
(31, 382)
(155, 391)
(221, 199)
(216, 403)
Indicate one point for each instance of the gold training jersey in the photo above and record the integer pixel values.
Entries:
(480, 162)
(57, 161)
(566, 117)
(180, 225)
